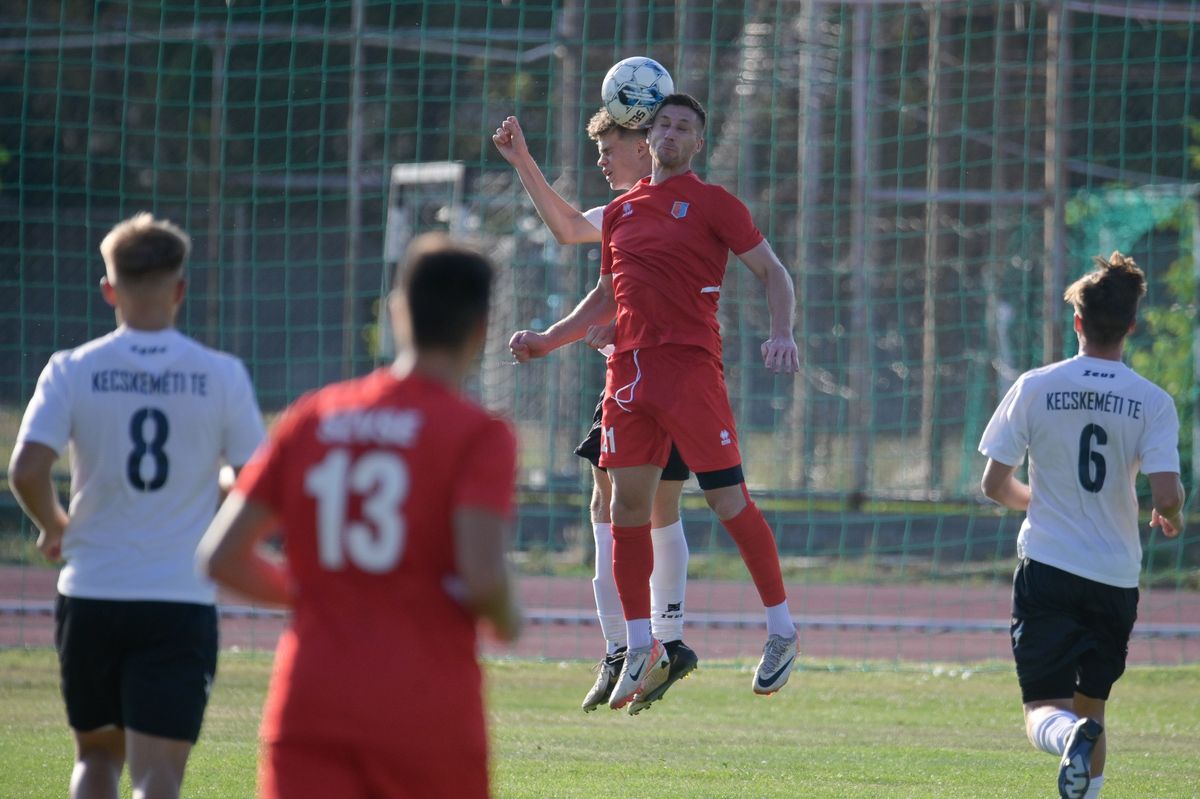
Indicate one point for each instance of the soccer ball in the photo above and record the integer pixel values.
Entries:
(634, 89)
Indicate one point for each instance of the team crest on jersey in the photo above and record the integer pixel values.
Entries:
(679, 209)
(726, 439)
(627, 209)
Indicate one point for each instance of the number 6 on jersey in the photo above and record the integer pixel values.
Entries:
(381, 479)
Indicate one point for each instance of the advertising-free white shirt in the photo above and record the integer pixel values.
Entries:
(1089, 425)
(148, 418)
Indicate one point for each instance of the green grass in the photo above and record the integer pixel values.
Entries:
(832, 733)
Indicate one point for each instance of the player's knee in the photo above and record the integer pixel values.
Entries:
(158, 778)
(600, 507)
(100, 759)
(726, 502)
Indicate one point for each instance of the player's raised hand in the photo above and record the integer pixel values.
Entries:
(526, 345)
(510, 140)
(780, 355)
(1170, 526)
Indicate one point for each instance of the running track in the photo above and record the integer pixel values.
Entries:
(915, 623)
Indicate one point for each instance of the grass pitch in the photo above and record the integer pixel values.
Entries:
(833, 732)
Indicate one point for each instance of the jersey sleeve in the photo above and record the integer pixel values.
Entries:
(1007, 435)
(263, 480)
(606, 263)
(47, 418)
(595, 217)
(734, 226)
(1160, 445)
(488, 472)
(243, 419)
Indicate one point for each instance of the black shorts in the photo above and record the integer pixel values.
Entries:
(589, 450)
(1069, 634)
(141, 665)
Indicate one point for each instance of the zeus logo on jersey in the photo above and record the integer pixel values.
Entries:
(679, 209)
(1090, 373)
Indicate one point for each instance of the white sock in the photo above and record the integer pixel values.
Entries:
(779, 620)
(668, 581)
(638, 633)
(1052, 732)
(1093, 791)
(604, 586)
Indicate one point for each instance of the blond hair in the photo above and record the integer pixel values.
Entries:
(143, 248)
(1106, 299)
(602, 123)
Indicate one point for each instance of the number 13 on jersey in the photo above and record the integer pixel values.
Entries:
(376, 542)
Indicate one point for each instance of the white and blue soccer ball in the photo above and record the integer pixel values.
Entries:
(633, 90)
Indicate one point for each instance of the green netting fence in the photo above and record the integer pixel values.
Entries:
(932, 174)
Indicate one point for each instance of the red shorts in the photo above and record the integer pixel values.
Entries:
(325, 769)
(667, 393)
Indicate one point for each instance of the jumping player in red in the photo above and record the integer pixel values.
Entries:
(665, 246)
(393, 494)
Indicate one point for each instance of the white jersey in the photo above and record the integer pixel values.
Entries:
(148, 415)
(1089, 425)
(595, 216)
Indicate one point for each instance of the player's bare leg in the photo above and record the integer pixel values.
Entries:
(99, 758)
(156, 765)
(1058, 727)
(756, 543)
(1088, 707)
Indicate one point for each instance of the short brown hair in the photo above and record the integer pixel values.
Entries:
(142, 248)
(602, 123)
(687, 101)
(1107, 298)
(448, 289)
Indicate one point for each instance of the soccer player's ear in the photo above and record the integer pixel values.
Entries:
(478, 337)
(108, 292)
(1079, 324)
(180, 288)
(398, 313)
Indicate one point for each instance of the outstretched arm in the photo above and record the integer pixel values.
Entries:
(565, 221)
(596, 309)
(1001, 486)
(779, 351)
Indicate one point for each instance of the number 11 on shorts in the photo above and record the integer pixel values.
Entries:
(608, 440)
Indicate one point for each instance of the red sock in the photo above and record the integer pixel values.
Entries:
(633, 561)
(756, 542)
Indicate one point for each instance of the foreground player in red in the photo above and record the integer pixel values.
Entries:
(665, 246)
(393, 494)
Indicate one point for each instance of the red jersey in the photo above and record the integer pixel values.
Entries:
(364, 477)
(666, 247)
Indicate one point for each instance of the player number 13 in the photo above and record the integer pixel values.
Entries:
(376, 543)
